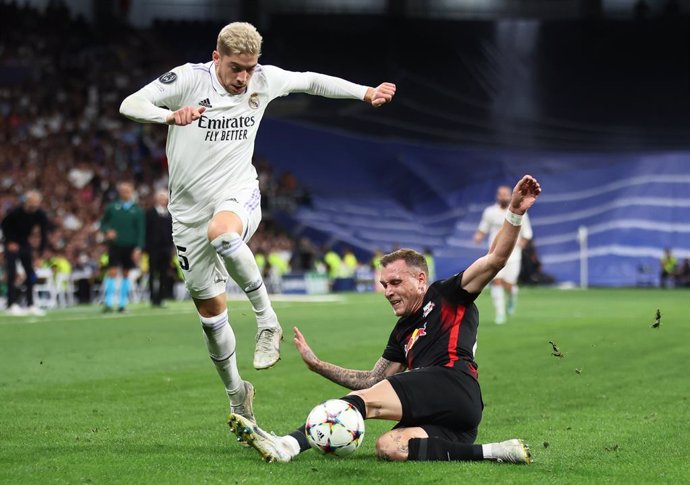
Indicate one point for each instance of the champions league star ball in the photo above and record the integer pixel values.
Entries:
(335, 427)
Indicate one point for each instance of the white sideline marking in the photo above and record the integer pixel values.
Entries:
(296, 298)
(93, 312)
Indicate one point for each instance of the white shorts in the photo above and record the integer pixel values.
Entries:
(203, 269)
(511, 271)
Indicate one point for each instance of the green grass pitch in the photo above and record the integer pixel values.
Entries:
(87, 398)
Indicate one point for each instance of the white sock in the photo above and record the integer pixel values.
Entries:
(291, 444)
(487, 450)
(220, 341)
(241, 264)
(514, 293)
(499, 299)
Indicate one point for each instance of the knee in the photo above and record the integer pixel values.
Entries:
(217, 229)
(223, 224)
(389, 450)
(212, 307)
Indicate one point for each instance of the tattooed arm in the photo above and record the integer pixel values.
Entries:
(352, 379)
(357, 379)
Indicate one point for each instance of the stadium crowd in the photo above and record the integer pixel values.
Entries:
(61, 82)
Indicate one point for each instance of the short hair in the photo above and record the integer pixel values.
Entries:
(239, 38)
(410, 256)
(33, 193)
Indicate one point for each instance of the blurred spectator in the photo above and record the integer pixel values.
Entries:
(123, 227)
(304, 257)
(262, 262)
(289, 194)
(668, 267)
(349, 264)
(84, 275)
(683, 274)
(431, 264)
(333, 263)
(159, 248)
(17, 227)
(58, 264)
(278, 263)
(531, 272)
(376, 267)
(266, 183)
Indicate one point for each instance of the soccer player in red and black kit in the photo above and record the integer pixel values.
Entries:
(427, 378)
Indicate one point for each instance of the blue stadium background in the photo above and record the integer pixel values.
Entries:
(593, 100)
(373, 194)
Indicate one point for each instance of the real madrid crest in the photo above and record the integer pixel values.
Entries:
(254, 100)
(168, 78)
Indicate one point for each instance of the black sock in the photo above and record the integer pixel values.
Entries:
(438, 449)
(301, 438)
(357, 402)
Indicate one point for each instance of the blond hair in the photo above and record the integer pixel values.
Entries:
(239, 38)
(411, 257)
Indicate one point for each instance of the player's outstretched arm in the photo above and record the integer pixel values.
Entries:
(483, 270)
(334, 87)
(352, 379)
(141, 109)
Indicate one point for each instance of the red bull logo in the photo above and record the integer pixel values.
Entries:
(416, 335)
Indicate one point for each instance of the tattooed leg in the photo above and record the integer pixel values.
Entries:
(394, 445)
(382, 402)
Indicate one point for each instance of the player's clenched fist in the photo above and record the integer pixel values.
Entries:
(185, 116)
(380, 95)
(525, 194)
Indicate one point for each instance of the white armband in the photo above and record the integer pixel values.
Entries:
(514, 219)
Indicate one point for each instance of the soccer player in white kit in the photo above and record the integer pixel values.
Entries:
(214, 110)
(506, 279)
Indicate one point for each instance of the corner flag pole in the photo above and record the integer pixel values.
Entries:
(582, 235)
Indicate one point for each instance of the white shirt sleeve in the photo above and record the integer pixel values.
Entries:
(282, 83)
(155, 101)
(485, 223)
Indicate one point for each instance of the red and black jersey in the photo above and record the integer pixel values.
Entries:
(443, 332)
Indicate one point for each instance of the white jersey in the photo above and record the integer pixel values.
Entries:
(492, 221)
(211, 158)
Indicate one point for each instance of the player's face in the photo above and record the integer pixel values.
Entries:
(162, 199)
(404, 287)
(503, 196)
(32, 202)
(234, 71)
(126, 191)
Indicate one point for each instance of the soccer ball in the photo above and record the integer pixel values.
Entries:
(335, 428)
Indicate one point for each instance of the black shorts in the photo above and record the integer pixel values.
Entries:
(120, 257)
(446, 403)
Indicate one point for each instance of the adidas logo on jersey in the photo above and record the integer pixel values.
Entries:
(206, 103)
